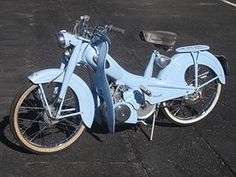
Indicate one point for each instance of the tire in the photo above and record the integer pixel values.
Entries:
(35, 130)
(191, 109)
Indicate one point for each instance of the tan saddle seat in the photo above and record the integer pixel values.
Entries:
(160, 39)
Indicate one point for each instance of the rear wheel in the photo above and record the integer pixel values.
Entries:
(194, 107)
(35, 130)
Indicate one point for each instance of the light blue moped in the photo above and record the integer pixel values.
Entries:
(53, 110)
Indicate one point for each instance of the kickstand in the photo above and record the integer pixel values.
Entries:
(153, 123)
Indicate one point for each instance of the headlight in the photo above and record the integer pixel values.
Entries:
(61, 40)
(65, 39)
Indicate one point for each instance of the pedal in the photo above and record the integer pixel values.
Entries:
(141, 121)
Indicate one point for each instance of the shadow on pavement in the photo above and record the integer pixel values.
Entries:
(96, 129)
(102, 129)
(6, 140)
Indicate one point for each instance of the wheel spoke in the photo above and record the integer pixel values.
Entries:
(33, 121)
(37, 133)
(203, 75)
(210, 87)
(32, 108)
(175, 111)
(69, 100)
(30, 125)
(67, 126)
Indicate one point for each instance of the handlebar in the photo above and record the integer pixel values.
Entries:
(81, 28)
(85, 18)
(116, 29)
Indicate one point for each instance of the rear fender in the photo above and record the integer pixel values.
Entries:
(175, 71)
(80, 88)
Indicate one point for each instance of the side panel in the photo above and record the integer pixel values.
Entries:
(81, 89)
(180, 62)
(102, 86)
(114, 71)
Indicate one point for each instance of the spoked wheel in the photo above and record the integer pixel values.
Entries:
(193, 108)
(32, 126)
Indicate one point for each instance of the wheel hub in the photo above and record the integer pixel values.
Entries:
(50, 120)
(193, 98)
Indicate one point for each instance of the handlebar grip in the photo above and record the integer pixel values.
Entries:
(116, 29)
(85, 18)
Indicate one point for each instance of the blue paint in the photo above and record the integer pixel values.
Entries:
(93, 52)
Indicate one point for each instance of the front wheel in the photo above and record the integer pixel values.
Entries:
(193, 108)
(32, 126)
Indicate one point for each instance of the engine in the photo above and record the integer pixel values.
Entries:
(124, 111)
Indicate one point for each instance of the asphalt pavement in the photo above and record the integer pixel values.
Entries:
(27, 44)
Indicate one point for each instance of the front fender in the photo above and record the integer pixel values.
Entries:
(86, 102)
(175, 71)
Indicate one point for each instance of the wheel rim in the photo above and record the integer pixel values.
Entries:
(196, 106)
(32, 127)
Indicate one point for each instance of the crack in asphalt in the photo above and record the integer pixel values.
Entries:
(218, 155)
(137, 156)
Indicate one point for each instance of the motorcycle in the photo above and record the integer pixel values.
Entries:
(52, 111)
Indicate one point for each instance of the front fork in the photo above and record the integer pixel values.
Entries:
(69, 67)
(76, 55)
